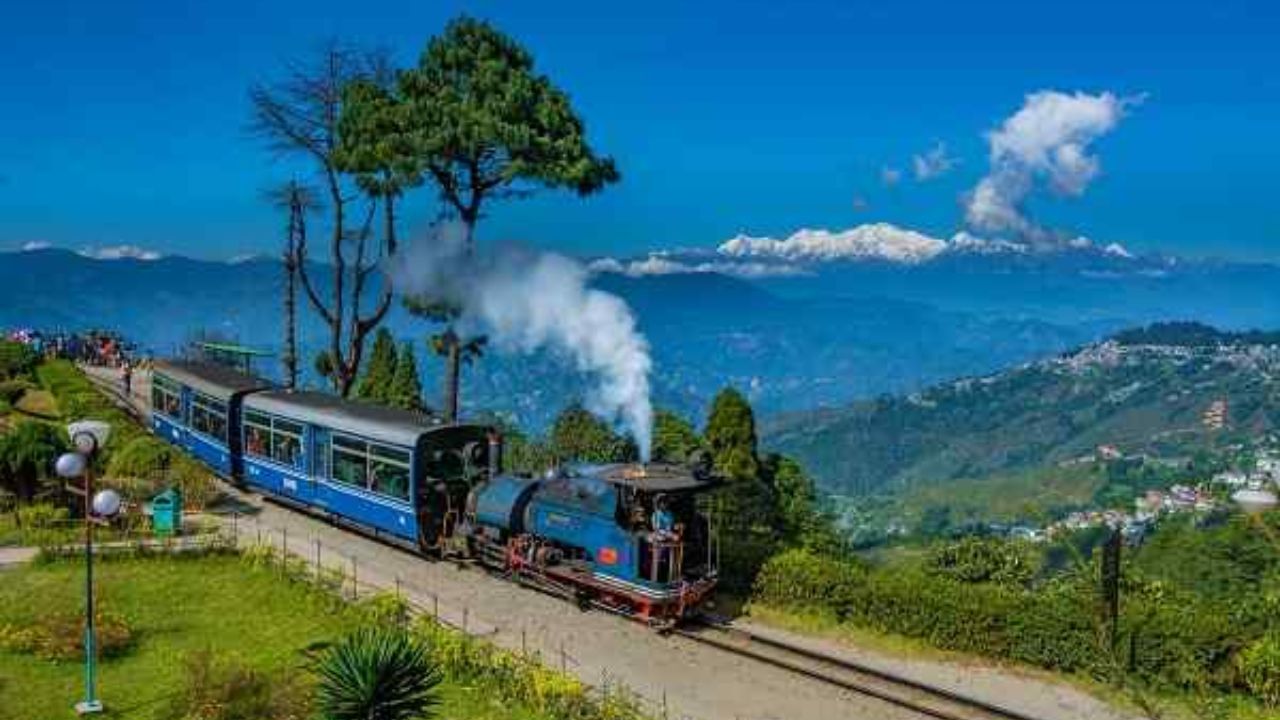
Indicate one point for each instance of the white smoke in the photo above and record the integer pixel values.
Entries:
(527, 300)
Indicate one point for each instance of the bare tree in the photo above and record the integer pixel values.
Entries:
(299, 116)
(299, 200)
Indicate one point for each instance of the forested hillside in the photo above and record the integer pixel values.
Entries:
(1136, 392)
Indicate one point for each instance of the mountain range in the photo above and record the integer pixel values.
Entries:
(836, 331)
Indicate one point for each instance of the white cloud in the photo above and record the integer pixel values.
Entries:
(865, 242)
(1048, 139)
(890, 176)
(120, 252)
(33, 245)
(933, 164)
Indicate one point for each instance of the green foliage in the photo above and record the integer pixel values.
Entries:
(516, 679)
(483, 121)
(77, 398)
(16, 359)
(378, 673)
(522, 454)
(809, 581)
(1226, 560)
(731, 435)
(27, 455)
(674, 438)
(142, 457)
(1192, 334)
(577, 435)
(1259, 666)
(60, 635)
(405, 391)
(380, 371)
(323, 365)
(974, 560)
(11, 391)
(225, 688)
(374, 141)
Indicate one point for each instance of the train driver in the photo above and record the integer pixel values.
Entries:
(662, 521)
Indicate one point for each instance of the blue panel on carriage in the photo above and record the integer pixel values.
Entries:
(581, 512)
(209, 451)
(371, 509)
(498, 502)
(168, 429)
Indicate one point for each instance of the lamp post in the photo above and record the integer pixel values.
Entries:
(87, 437)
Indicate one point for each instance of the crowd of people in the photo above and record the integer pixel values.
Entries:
(98, 348)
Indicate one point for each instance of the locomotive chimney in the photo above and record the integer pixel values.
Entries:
(495, 454)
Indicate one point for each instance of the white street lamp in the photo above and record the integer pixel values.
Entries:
(87, 436)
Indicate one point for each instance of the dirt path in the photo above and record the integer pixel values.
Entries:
(696, 681)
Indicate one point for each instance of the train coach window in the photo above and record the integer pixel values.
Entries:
(286, 442)
(166, 397)
(257, 433)
(389, 471)
(273, 438)
(209, 416)
(350, 461)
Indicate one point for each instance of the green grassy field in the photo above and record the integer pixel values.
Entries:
(176, 606)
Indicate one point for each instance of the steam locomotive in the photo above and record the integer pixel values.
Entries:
(629, 538)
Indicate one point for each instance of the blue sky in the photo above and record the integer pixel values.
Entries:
(123, 122)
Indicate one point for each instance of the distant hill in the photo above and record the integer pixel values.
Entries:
(706, 331)
(1165, 390)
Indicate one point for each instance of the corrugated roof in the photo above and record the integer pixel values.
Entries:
(217, 380)
(375, 422)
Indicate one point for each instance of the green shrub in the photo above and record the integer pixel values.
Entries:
(804, 580)
(1168, 636)
(160, 465)
(1259, 667)
(223, 688)
(378, 673)
(16, 359)
(11, 391)
(141, 457)
(528, 682)
(42, 515)
(974, 559)
(60, 636)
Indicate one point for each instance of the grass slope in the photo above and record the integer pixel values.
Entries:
(175, 606)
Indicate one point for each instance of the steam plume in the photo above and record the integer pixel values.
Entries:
(527, 300)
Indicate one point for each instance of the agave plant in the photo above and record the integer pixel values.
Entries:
(378, 674)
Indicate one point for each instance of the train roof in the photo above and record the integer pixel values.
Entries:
(652, 477)
(390, 425)
(209, 378)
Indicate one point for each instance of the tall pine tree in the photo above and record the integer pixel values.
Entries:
(381, 371)
(748, 521)
(405, 391)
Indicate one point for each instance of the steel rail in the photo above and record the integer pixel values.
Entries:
(846, 674)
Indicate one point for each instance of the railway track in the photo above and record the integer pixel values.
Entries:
(848, 675)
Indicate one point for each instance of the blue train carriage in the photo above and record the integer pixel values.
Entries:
(630, 538)
(196, 406)
(391, 472)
